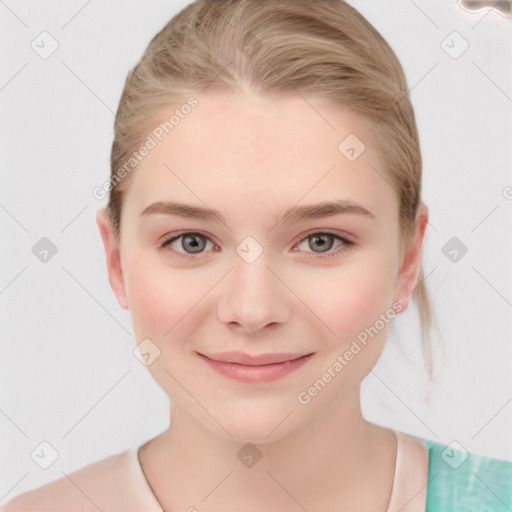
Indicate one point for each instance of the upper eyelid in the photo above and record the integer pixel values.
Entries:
(178, 235)
(322, 232)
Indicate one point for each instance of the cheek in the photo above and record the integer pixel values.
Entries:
(159, 298)
(350, 297)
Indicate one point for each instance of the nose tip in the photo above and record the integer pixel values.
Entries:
(252, 297)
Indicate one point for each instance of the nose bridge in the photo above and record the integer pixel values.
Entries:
(252, 295)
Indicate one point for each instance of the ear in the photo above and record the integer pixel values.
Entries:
(111, 245)
(410, 265)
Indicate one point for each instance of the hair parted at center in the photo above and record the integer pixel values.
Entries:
(324, 48)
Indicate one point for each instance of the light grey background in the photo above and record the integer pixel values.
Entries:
(67, 372)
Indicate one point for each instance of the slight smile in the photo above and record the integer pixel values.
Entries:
(262, 368)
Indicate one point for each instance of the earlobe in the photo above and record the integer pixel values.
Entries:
(113, 259)
(411, 261)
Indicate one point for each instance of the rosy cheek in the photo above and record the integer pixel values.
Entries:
(350, 300)
(154, 302)
(163, 300)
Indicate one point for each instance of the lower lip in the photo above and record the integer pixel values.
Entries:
(257, 373)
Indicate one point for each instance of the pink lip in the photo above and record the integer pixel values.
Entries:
(262, 368)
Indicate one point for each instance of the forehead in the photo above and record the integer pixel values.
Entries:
(252, 149)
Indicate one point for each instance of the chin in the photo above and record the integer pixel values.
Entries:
(255, 434)
(259, 425)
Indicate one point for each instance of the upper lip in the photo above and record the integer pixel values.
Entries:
(249, 360)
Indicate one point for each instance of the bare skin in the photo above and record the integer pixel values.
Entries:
(251, 158)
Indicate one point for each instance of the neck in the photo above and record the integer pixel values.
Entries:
(318, 466)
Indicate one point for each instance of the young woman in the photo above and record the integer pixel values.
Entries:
(264, 226)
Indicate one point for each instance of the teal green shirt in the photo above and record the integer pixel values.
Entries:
(462, 482)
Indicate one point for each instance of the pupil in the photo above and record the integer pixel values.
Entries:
(193, 243)
(322, 238)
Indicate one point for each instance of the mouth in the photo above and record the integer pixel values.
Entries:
(261, 368)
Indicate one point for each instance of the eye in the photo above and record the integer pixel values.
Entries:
(324, 241)
(189, 244)
(196, 242)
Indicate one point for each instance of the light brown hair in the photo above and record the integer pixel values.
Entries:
(272, 47)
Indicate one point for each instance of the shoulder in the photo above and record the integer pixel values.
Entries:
(415, 448)
(108, 484)
(461, 481)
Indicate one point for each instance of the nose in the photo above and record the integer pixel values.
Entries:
(253, 296)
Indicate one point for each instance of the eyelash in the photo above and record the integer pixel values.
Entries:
(346, 243)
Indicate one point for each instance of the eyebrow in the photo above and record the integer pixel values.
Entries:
(296, 213)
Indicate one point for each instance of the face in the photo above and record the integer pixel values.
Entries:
(254, 313)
